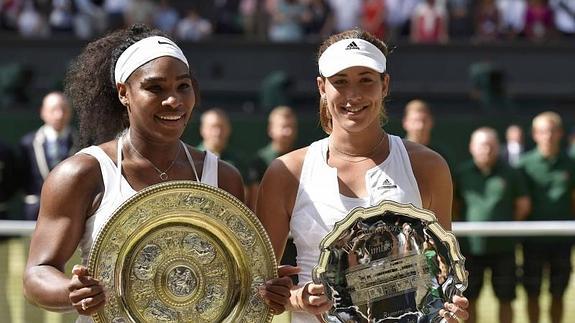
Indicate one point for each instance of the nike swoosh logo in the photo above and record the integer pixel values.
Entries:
(163, 42)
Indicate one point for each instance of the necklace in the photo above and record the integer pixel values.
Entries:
(366, 155)
(163, 174)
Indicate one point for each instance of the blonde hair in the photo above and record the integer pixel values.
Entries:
(281, 111)
(551, 116)
(417, 105)
(324, 117)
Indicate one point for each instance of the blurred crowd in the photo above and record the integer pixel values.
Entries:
(420, 21)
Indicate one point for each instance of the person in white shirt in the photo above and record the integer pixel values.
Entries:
(308, 190)
(135, 93)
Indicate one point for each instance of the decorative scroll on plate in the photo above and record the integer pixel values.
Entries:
(389, 263)
(183, 251)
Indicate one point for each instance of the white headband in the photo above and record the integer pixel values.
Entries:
(350, 52)
(144, 51)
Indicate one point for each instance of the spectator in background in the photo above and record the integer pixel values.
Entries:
(61, 17)
(318, 20)
(286, 21)
(115, 13)
(551, 183)
(514, 145)
(399, 17)
(347, 14)
(429, 23)
(460, 19)
(512, 17)
(215, 130)
(91, 19)
(538, 21)
(418, 123)
(166, 17)
(139, 12)
(487, 21)
(487, 189)
(43, 149)
(227, 18)
(374, 18)
(31, 24)
(282, 131)
(564, 16)
(193, 26)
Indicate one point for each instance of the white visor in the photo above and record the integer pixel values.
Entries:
(144, 51)
(348, 53)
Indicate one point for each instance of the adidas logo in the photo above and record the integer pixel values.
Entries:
(388, 184)
(352, 45)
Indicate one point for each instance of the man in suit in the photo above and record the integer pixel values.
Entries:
(43, 149)
(513, 149)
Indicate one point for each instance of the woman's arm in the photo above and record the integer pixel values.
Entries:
(434, 180)
(67, 199)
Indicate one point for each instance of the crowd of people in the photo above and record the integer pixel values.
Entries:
(134, 92)
(421, 21)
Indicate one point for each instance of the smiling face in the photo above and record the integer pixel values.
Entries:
(354, 98)
(160, 98)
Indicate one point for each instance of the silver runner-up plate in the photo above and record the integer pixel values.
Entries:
(182, 251)
(389, 263)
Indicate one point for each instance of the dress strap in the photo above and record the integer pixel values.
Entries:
(190, 160)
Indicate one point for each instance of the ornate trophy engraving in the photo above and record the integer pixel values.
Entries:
(183, 251)
(389, 263)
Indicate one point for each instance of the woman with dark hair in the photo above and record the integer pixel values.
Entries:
(308, 190)
(134, 93)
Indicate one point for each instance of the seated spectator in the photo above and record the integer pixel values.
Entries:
(564, 16)
(139, 11)
(373, 18)
(487, 21)
(91, 19)
(166, 17)
(193, 26)
(347, 14)
(286, 21)
(31, 24)
(318, 20)
(538, 21)
(429, 23)
(227, 18)
(460, 19)
(512, 17)
(61, 18)
(399, 16)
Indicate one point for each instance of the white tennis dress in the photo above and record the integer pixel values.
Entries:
(319, 205)
(117, 190)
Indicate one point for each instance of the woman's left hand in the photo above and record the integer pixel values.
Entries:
(452, 312)
(276, 292)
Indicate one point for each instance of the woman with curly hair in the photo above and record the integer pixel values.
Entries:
(134, 93)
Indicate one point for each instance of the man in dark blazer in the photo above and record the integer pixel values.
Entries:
(43, 149)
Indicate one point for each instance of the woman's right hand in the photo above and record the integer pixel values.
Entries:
(311, 298)
(86, 293)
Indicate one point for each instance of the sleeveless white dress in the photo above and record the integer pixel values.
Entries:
(117, 190)
(319, 205)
